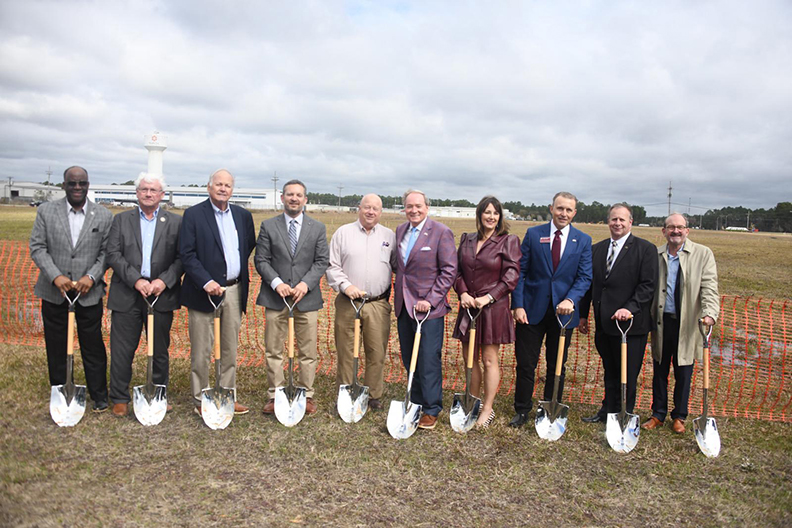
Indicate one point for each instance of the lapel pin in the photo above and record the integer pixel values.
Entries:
(162, 219)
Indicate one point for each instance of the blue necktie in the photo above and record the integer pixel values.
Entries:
(411, 243)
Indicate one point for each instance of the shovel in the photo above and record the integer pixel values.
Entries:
(353, 399)
(67, 401)
(467, 407)
(403, 416)
(217, 404)
(551, 417)
(704, 427)
(150, 401)
(290, 400)
(623, 428)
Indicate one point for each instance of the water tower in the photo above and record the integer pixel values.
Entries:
(156, 144)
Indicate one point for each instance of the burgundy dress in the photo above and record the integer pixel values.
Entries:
(494, 270)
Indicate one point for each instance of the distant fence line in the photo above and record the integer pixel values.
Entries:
(750, 372)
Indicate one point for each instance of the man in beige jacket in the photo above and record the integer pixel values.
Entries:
(686, 292)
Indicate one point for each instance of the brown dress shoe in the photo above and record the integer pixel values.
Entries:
(427, 422)
(269, 407)
(375, 404)
(652, 423)
(678, 426)
(120, 409)
(240, 409)
(310, 406)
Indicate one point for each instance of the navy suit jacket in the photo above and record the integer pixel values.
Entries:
(539, 286)
(201, 253)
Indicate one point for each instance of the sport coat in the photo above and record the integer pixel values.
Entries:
(539, 286)
(698, 294)
(629, 285)
(274, 259)
(430, 270)
(201, 253)
(125, 256)
(52, 250)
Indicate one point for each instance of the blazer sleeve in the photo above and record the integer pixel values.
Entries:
(510, 267)
(98, 268)
(518, 300)
(39, 251)
(115, 256)
(583, 276)
(263, 258)
(446, 268)
(250, 236)
(321, 258)
(459, 283)
(710, 300)
(172, 274)
(647, 278)
(188, 250)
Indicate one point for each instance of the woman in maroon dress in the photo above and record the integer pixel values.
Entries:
(489, 267)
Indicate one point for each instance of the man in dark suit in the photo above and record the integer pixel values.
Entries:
(291, 256)
(555, 274)
(426, 266)
(625, 273)
(68, 244)
(215, 242)
(143, 250)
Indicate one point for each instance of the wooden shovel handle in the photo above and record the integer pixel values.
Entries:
(471, 347)
(290, 345)
(150, 335)
(706, 367)
(217, 338)
(414, 358)
(624, 363)
(356, 346)
(70, 335)
(560, 355)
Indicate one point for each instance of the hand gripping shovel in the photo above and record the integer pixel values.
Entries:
(353, 399)
(623, 428)
(217, 404)
(704, 427)
(403, 416)
(150, 401)
(551, 417)
(290, 400)
(467, 407)
(67, 401)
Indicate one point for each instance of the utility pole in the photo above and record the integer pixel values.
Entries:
(689, 199)
(275, 188)
(669, 197)
(48, 172)
(748, 221)
(340, 188)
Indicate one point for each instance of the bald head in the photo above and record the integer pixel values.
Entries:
(369, 211)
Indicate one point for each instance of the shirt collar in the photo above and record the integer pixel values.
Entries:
(621, 241)
(288, 219)
(143, 215)
(361, 228)
(217, 210)
(564, 231)
(69, 208)
(419, 226)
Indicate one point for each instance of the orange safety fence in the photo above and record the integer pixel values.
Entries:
(749, 373)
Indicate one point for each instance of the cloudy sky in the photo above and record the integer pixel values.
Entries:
(610, 100)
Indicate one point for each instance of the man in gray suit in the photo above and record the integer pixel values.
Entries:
(68, 244)
(291, 256)
(143, 250)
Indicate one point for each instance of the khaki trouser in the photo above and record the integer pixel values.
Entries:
(201, 331)
(275, 334)
(375, 327)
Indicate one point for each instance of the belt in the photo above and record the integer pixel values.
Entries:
(385, 296)
(232, 282)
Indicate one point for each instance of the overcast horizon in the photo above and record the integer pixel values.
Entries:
(608, 100)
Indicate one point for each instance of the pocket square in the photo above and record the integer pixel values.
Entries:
(426, 248)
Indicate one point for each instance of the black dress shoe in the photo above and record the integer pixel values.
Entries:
(597, 418)
(519, 420)
(99, 407)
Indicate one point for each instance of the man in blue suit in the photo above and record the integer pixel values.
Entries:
(555, 273)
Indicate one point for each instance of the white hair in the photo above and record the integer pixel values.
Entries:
(212, 176)
(151, 178)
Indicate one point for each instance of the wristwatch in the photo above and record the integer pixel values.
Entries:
(491, 298)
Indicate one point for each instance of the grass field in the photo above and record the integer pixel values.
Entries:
(110, 471)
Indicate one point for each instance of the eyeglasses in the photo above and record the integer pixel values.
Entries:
(675, 227)
(80, 183)
(143, 190)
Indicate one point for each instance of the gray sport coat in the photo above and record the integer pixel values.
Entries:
(273, 259)
(52, 250)
(125, 256)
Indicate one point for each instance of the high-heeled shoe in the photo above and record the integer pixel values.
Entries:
(486, 423)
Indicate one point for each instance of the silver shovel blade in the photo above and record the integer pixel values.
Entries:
(150, 412)
(623, 437)
(351, 407)
(67, 414)
(403, 419)
(551, 420)
(289, 412)
(462, 418)
(217, 407)
(707, 436)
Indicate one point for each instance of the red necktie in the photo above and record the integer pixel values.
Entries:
(556, 250)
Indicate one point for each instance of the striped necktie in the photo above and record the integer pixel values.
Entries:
(609, 263)
(293, 236)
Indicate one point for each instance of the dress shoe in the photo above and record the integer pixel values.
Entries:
(120, 409)
(427, 421)
(678, 425)
(652, 423)
(375, 404)
(240, 409)
(597, 418)
(99, 407)
(269, 407)
(310, 406)
(519, 420)
(169, 408)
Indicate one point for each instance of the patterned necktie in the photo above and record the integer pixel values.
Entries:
(293, 236)
(411, 243)
(609, 263)
(556, 250)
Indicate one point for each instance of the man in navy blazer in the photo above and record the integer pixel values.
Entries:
(426, 266)
(555, 274)
(215, 242)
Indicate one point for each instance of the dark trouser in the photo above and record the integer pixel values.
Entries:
(609, 348)
(427, 387)
(124, 339)
(92, 348)
(527, 348)
(682, 375)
